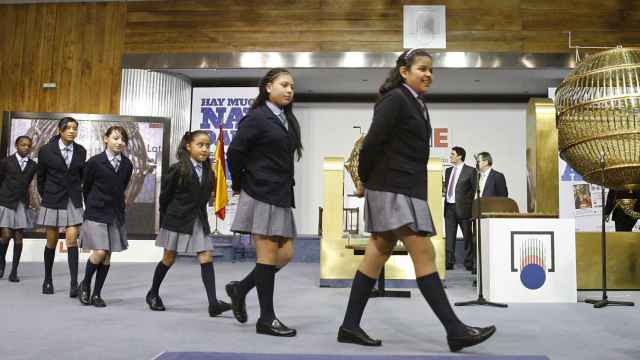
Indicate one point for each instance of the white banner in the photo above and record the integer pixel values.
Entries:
(211, 108)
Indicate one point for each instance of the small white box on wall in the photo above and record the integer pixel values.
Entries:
(424, 26)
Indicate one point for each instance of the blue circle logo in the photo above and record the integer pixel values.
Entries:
(532, 276)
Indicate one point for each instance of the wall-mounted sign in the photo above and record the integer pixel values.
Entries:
(424, 27)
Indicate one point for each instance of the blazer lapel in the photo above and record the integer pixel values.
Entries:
(104, 159)
(273, 118)
(16, 163)
(59, 152)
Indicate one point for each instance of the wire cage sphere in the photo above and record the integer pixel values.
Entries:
(598, 118)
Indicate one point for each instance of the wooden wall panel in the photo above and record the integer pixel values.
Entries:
(375, 25)
(80, 46)
(77, 46)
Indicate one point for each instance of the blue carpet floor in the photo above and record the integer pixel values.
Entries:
(243, 356)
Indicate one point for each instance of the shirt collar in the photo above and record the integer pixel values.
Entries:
(195, 163)
(111, 155)
(20, 158)
(413, 92)
(63, 146)
(274, 108)
(459, 166)
(486, 172)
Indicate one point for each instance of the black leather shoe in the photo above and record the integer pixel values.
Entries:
(474, 271)
(154, 302)
(47, 288)
(217, 309)
(238, 303)
(97, 301)
(2, 266)
(474, 336)
(275, 328)
(449, 267)
(85, 294)
(14, 278)
(357, 336)
(74, 290)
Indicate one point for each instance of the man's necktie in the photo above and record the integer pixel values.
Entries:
(452, 180)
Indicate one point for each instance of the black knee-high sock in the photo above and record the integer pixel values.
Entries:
(360, 292)
(17, 252)
(433, 291)
(245, 285)
(49, 256)
(101, 276)
(158, 276)
(72, 258)
(264, 276)
(89, 270)
(209, 281)
(4, 245)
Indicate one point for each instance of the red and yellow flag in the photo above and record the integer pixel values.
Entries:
(222, 197)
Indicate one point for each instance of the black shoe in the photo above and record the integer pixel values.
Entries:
(357, 336)
(474, 271)
(468, 267)
(14, 278)
(85, 294)
(2, 266)
(219, 308)
(154, 302)
(449, 267)
(275, 328)
(47, 288)
(97, 301)
(474, 336)
(237, 302)
(74, 290)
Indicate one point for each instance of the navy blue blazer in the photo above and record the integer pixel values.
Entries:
(103, 189)
(14, 182)
(495, 185)
(395, 151)
(57, 183)
(261, 158)
(181, 202)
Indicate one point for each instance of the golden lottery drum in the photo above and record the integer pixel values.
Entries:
(598, 115)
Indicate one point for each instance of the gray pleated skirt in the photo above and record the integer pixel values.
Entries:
(256, 217)
(60, 217)
(15, 219)
(184, 243)
(100, 236)
(385, 211)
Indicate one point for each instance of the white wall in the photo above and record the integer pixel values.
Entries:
(327, 130)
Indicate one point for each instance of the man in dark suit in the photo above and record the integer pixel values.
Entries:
(492, 183)
(623, 221)
(459, 188)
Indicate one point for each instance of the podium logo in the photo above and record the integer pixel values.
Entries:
(533, 256)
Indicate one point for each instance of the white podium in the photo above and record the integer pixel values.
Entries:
(529, 260)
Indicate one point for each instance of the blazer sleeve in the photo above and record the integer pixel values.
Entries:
(384, 118)
(3, 170)
(88, 177)
(129, 173)
(167, 188)
(238, 151)
(501, 186)
(41, 170)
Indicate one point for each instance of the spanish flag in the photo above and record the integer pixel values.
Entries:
(221, 177)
